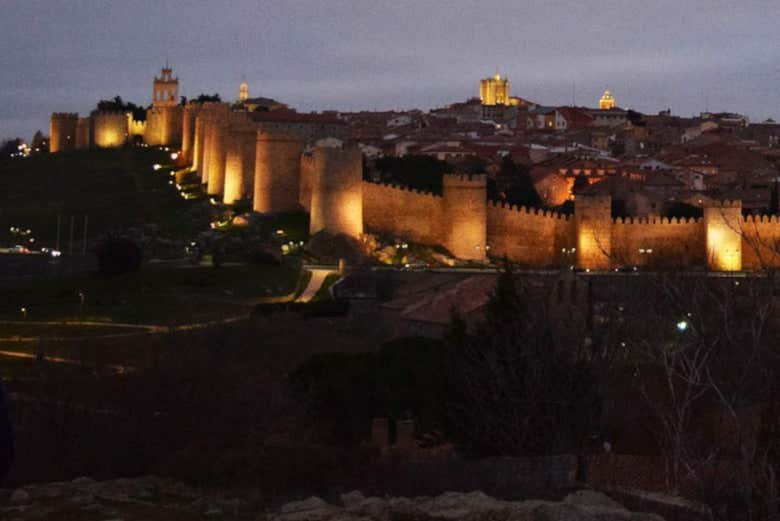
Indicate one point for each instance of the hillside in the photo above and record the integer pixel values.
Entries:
(114, 188)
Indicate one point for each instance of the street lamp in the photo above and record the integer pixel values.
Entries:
(682, 325)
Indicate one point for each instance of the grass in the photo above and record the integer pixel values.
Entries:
(153, 295)
(114, 188)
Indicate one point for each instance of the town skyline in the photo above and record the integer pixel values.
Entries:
(338, 58)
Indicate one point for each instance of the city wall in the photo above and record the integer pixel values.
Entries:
(659, 242)
(109, 129)
(760, 241)
(405, 212)
(530, 236)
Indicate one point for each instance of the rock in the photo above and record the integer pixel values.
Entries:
(19, 496)
(457, 506)
(592, 498)
(82, 482)
(312, 509)
(372, 507)
(307, 504)
(351, 499)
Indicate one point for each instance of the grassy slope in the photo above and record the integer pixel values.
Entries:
(115, 188)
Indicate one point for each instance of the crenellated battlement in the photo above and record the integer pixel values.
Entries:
(725, 203)
(464, 180)
(528, 210)
(64, 115)
(122, 113)
(401, 188)
(761, 219)
(647, 220)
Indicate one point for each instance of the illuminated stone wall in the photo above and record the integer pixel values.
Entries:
(211, 115)
(403, 212)
(134, 127)
(240, 148)
(658, 242)
(277, 173)
(594, 231)
(217, 143)
(465, 216)
(337, 191)
(163, 125)
(189, 113)
(761, 242)
(62, 131)
(723, 224)
(529, 236)
(109, 129)
(83, 131)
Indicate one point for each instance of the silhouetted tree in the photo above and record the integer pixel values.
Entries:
(522, 383)
(514, 181)
(417, 171)
(117, 255)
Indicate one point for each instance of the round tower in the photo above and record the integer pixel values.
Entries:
(109, 129)
(197, 143)
(240, 158)
(62, 131)
(465, 216)
(723, 222)
(277, 173)
(188, 132)
(217, 143)
(82, 134)
(593, 219)
(337, 191)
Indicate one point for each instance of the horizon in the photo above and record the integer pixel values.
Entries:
(350, 56)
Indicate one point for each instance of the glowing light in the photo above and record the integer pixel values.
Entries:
(682, 325)
(174, 156)
(156, 167)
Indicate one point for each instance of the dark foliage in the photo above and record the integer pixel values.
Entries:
(515, 184)
(118, 105)
(202, 98)
(10, 147)
(679, 210)
(117, 255)
(521, 383)
(416, 171)
(402, 379)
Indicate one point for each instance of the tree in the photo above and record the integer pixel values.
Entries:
(522, 384)
(773, 203)
(40, 143)
(203, 98)
(514, 181)
(9, 147)
(117, 255)
(417, 171)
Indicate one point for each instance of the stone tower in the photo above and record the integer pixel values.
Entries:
(62, 131)
(593, 218)
(243, 91)
(723, 224)
(277, 173)
(166, 89)
(109, 128)
(465, 216)
(607, 101)
(494, 91)
(337, 191)
(240, 158)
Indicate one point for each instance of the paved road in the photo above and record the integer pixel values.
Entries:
(315, 283)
